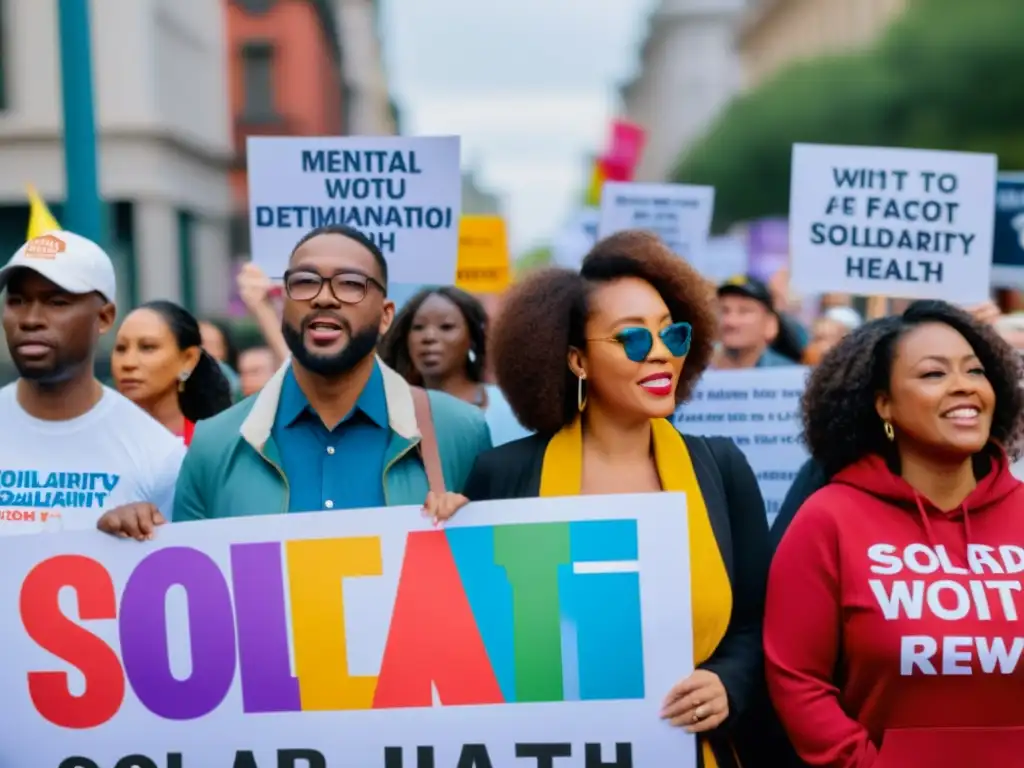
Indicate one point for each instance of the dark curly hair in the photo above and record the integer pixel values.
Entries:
(394, 347)
(543, 316)
(841, 424)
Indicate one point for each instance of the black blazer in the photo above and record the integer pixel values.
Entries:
(737, 515)
(808, 481)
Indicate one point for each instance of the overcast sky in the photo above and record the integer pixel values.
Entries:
(530, 85)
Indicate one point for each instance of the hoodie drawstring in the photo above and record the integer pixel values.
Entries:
(929, 532)
(925, 522)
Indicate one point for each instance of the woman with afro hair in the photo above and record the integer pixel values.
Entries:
(892, 632)
(595, 363)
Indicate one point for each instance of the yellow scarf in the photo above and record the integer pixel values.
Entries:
(711, 592)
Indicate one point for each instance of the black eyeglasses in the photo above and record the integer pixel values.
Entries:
(347, 287)
(637, 342)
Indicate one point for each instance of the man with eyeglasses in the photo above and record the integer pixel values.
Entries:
(334, 428)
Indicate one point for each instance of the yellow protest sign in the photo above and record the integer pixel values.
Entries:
(483, 255)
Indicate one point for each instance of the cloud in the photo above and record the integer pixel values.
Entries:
(528, 84)
(496, 44)
(528, 147)
(517, 122)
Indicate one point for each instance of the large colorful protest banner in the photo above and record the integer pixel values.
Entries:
(523, 632)
(405, 193)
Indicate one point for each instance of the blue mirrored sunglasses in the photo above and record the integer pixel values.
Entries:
(637, 342)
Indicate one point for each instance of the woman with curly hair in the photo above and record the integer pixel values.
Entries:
(439, 341)
(595, 362)
(891, 630)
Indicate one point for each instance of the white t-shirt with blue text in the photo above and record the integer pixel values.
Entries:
(63, 475)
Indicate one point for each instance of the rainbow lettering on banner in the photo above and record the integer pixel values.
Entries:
(540, 612)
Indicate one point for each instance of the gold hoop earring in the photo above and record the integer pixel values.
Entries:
(581, 396)
(890, 433)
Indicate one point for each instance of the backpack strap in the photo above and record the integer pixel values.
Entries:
(428, 440)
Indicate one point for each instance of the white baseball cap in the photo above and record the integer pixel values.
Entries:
(70, 261)
(848, 317)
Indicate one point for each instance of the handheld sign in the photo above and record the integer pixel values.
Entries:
(546, 628)
(1008, 249)
(680, 214)
(484, 264)
(902, 223)
(759, 408)
(576, 239)
(721, 258)
(404, 193)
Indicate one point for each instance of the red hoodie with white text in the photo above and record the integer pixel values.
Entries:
(893, 633)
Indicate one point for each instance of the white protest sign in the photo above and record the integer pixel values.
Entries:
(904, 223)
(405, 193)
(721, 258)
(759, 408)
(535, 629)
(576, 239)
(680, 214)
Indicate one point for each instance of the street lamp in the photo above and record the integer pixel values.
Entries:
(82, 209)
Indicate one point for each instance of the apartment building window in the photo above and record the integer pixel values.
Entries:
(186, 259)
(258, 80)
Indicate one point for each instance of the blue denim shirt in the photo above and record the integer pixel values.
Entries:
(333, 469)
(772, 359)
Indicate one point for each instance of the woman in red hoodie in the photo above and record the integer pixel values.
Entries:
(892, 629)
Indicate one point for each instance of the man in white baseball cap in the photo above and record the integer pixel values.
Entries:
(80, 448)
(67, 260)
